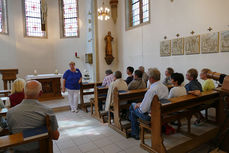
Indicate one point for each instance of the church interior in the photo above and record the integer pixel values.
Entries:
(114, 76)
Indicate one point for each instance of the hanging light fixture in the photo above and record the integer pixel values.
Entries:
(103, 13)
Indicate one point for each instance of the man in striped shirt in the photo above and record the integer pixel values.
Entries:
(108, 78)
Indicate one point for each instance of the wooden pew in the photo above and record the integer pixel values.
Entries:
(165, 113)
(118, 124)
(99, 95)
(4, 93)
(85, 90)
(3, 111)
(45, 141)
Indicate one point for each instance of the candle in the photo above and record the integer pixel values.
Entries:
(56, 72)
(35, 72)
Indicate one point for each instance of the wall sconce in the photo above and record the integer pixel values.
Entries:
(165, 37)
(76, 55)
(178, 35)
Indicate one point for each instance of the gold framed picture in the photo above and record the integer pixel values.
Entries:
(165, 48)
(177, 46)
(192, 45)
(209, 43)
(224, 41)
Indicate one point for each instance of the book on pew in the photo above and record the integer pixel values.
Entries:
(165, 101)
(35, 133)
(122, 91)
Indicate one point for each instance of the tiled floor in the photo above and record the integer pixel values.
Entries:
(80, 133)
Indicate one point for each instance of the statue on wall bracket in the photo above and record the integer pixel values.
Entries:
(108, 50)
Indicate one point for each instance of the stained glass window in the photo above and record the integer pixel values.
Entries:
(70, 22)
(138, 12)
(33, 18)
(3, 17)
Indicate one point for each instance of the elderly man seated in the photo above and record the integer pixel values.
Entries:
(141, 110)
(119, 83)
(29, 114)
(137, 83)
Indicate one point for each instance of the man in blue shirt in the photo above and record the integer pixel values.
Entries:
(141, 110)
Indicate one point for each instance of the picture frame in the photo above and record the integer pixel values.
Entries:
(209, 43)
(224, 41)
(177, 46)
(192, 45)
(165, 48)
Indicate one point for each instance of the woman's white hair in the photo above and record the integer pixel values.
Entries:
(154, 73)
(32, 88)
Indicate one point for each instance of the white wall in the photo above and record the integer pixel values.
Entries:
(141, 45)
(44, 55)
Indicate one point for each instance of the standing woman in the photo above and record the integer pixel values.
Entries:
(71, 80)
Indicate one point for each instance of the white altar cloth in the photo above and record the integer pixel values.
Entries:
(43, 76)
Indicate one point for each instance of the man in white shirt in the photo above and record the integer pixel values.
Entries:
(141, 110)
(120, 84)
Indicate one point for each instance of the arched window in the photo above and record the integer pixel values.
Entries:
(137, 12)
(3, 17)
(33, 19)
(69, 18)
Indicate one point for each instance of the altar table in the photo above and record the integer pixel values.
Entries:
(51, 85)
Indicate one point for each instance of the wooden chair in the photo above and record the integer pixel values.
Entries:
(165, 113)
(84, 91)
(45, 141)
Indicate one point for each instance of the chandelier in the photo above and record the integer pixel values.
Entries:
(103, 13)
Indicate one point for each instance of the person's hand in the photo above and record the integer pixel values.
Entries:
(63, 90)
(195, 92)
(137, 105)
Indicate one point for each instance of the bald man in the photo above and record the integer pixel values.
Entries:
(30, 113)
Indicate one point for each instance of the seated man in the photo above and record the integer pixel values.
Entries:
(118, 83)
(138, 82)
(144, 74)
(30, 113)
(141, 110)
(129, 71)
(108, 78)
